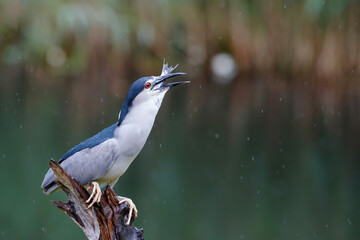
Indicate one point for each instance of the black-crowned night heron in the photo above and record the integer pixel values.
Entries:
(103, 158)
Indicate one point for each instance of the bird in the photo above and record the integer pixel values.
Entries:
(101, 159)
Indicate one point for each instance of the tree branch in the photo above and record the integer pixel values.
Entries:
(105, 221)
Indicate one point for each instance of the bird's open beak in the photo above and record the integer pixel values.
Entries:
(161, 80)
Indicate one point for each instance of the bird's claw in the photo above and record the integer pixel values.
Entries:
(131, 206)
(95, 195)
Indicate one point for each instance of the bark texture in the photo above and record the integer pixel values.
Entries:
(105, 221)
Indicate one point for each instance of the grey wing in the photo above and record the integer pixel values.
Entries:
(86, 165)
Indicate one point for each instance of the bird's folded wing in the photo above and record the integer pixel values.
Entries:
(95, 140)
(87, 161)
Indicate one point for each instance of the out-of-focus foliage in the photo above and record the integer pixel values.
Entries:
(263, 144)
(289, 36)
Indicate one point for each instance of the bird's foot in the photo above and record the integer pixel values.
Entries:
(131, 206)
(95, 195)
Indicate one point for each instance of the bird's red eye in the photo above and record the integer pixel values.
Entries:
(147, 85)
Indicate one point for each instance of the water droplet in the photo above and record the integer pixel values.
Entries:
(252, 158)
(217, 135)
(248, 139)
(160, 145)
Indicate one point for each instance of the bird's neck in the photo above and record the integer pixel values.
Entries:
(140, 117)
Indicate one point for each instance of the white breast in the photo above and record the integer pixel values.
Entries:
(134, 131)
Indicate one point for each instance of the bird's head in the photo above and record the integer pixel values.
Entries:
(149, 90)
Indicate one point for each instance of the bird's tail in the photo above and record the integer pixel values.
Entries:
(49, 185)
(52, 187)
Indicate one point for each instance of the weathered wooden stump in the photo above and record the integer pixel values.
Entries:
(105, 221)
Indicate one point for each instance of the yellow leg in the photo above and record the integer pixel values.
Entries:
(131, 206)
(96, 194)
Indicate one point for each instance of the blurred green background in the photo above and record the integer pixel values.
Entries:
(263, 144)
